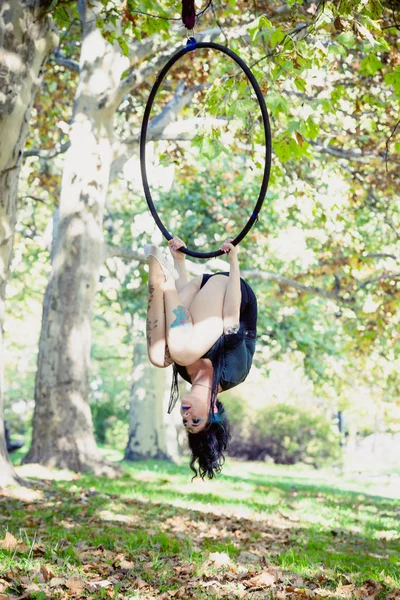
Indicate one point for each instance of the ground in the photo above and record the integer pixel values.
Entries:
(257, 532)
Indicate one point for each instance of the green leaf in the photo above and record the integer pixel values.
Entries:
(337, 50)
(346, 39)
(309, 129)
(372, 24)
(370, 65)
(300, 84)
(123, 45)
(261, 23)
(277, 37)
(397, 147)
(61, 16)
(286, 147)
(265, 22)
(293, 126)
(393, 79)
(324, 103)
(375, 8)
(276, 103)
(137, 32)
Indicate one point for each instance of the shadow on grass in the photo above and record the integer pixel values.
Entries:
(154, 514)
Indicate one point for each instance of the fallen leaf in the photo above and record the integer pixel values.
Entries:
(263, 579)
(11, 544)
(245, 558)
(32, 588)
(75, 585)
(56, 582)
(100, 584)
(118, 558)
(219, 559)
(139, 583)
(39, 550)
(46, 572)
(125, 565)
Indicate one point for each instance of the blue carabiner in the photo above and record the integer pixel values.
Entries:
(191, 44)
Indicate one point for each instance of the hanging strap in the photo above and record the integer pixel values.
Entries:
(188, 13)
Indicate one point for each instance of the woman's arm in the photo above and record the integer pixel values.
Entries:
(179, 262)
(233, 294)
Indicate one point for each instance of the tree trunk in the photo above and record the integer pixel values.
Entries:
(152, 432)
(26, 40)
(62, 425)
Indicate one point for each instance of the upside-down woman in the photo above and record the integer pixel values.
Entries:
(205, 328)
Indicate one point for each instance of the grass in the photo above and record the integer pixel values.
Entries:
(257, 531)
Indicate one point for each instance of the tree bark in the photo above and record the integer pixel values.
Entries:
(152, 432)
(26, 40)
(62, 425)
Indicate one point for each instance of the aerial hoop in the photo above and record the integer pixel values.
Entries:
(191, 46)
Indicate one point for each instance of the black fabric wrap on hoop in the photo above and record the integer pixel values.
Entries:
(188, 13)
(190, 47)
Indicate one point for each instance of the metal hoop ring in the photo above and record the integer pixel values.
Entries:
(267, 166)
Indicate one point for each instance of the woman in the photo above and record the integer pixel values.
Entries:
(206, 328)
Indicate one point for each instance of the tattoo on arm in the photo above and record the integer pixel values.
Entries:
(182, 316)
(167, 356)
(232, 329)
(148, 332)
(151, 294)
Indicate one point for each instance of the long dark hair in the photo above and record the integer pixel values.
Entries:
(208, 445)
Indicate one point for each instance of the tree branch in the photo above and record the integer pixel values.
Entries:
(164, 127)
(111, 251)
(353, 155)
(287, 282)
(138, 76)
(47, 154)
(63, 61)
(184, 130)
(379, 278)
(221, 265)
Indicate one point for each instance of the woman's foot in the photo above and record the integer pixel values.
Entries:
(167, 269)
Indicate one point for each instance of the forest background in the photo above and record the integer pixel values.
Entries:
(323, 258)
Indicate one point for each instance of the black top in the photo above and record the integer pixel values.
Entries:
(235, 352)
(232, 354)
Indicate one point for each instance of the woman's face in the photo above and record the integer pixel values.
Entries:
(194, 411)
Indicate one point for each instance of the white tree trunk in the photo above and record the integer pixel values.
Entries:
(152, 432)
(62, 426)
(26, 40)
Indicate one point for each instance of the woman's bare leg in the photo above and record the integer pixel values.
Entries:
(191, 333)
(188, 293)
(157, 348)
